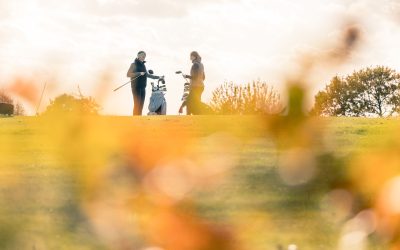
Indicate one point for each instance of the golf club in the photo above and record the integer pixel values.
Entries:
(126, 83)
(180, 72)
(150, 72)
(41, 97)
(186, 86)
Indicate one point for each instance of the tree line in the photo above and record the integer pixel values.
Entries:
(369, 92)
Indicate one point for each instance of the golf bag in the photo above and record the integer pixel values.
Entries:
(186, 90)
(158, 104)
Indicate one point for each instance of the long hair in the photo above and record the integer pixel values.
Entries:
(196, 55)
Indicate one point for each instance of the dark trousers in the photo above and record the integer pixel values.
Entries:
(139, 94)
(194, 100)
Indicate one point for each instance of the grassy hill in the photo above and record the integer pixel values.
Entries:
(199, 182)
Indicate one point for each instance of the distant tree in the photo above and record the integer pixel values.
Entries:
(252, 98)
(69, 104)
(380, 88)
(337, 99)
(4, 98)
(18, 108)
(368, 92)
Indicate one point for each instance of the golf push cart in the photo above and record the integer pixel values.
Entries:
(158, 104)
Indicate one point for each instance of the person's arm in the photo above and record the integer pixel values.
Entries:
(152, 76)
(132, 71)
(181, 107)
(194, 71)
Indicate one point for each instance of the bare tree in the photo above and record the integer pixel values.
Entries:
(252, 98)
(4, 98)
(19, 109)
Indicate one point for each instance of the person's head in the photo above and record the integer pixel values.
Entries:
(194, 56)
(141, 55)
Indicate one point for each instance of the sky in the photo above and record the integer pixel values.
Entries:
(88, 46)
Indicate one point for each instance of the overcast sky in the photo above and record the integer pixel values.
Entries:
(91, 43)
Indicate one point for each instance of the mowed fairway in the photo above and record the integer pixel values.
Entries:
(126, 183)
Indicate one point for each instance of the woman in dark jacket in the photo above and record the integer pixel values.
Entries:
(197, 77)
(138, 74)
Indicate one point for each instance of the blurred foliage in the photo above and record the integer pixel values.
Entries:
(367, 92)
(252, 98)
(268, 182)
(72, 181)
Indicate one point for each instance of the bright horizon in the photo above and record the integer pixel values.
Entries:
(92, 43)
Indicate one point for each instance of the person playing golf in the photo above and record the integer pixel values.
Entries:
(138, 74)
(197, 77)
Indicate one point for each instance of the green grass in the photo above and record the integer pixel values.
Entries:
(41, 193)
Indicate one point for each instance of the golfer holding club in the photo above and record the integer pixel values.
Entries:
(138, 74)
(197, 77)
